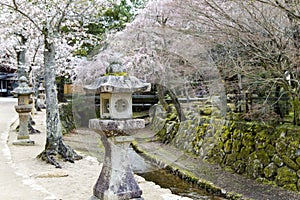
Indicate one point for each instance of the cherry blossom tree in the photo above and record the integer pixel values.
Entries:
(63, 31)
(48, 18)
(258, 40)
(162, 46)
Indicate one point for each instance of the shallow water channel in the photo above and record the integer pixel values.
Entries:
(165, 179)
(86, 141)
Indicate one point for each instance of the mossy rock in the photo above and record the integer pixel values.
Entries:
(262, 139)
(230, 159)
(277, 160)
(158, 124)
(216, 156)
(298, 184)
(237, 134)
(281, 147)
(290, 163)
(239, 167)
(298, 160)
(292, 187)
(254, 169)
(236, 145)
(247, 139)
(162, 133)
(270, 170)
(244, 153)
(171, 116)
(298, 173)
(270, 150)
(228, 146)
(226, 135)
(263, 157)
(292, 149)
(286, 176)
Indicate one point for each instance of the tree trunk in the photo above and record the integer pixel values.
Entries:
(161, 96)
(21, 53)
(161, 91)
(54, 144)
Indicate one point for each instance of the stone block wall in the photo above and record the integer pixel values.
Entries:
(267, 153)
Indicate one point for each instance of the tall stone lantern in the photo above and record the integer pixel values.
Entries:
(23, 91)
(116, 126)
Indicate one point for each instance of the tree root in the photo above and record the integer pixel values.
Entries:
(32, 130)
(64, 151)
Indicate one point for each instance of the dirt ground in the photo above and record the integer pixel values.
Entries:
(73, 181)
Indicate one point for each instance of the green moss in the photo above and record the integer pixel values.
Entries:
(277, 160)
(298, 184)
(286, 176)
(270, 170)
(281, 147)
(254, 168)
(236, 145)
(292, 149)
(244, 153)
(247, 139)
(298, 160)
(239, 166)
(234, 196)
(116, 74)
(263, 157)
(236, 134)
(292, 187)
(262, 139)
(230, 159)
(228, 146)
(290, 163)
(225, 136)
(206, 111)
(266, 181)
(270, 150)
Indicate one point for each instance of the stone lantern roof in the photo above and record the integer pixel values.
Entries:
(116, 80)
(23, 88)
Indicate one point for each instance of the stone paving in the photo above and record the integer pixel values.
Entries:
(23, 177)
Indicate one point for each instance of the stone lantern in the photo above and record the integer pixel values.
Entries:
(42, 96)
(23, 91)
(116, 126)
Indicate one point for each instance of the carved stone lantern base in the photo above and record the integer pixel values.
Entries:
(23, 137)
(116, 180)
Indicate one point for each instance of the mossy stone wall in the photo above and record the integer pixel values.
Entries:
(263, 152)
(268, 154)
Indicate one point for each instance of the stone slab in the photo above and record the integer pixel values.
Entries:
(25, 142)
(108, 124)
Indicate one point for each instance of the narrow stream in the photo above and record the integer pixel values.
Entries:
(167, 180)
(141, 167)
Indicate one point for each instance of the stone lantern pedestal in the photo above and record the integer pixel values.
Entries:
(23, 108)
(116, 180)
